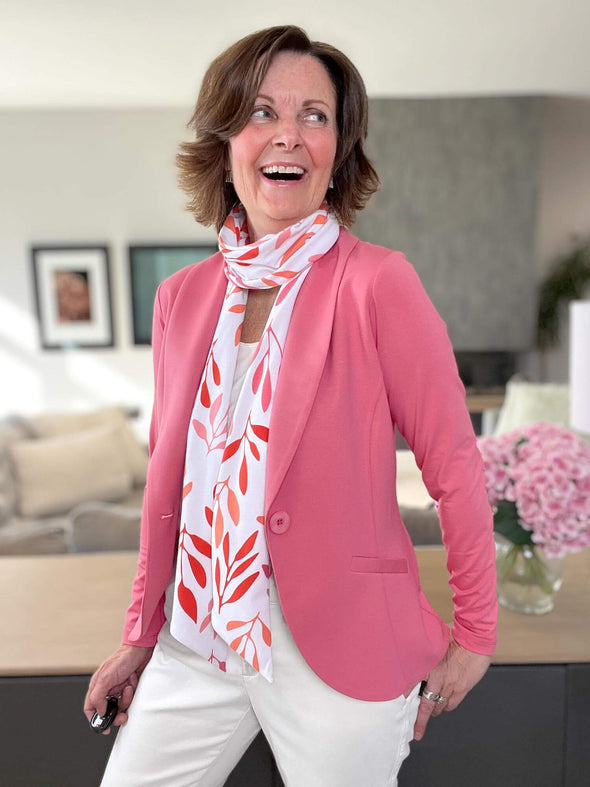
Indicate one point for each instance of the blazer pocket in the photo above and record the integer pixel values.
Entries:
(379, 565)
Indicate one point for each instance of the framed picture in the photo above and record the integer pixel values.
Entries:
(148, 266)
(73, 296)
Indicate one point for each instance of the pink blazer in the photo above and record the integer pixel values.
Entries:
(366, 353)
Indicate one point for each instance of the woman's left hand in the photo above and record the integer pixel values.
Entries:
(452, 678)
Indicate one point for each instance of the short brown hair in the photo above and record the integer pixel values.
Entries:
(224, 106)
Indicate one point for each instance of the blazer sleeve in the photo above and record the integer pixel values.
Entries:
(150, 636)
(427, 403)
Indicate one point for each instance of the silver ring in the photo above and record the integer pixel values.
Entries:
(441, 699)
(433, 696)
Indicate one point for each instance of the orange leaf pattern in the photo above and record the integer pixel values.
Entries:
(223, 566)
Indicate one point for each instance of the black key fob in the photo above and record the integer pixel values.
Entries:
(100, 723)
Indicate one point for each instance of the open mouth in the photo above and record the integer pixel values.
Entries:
(278, 173)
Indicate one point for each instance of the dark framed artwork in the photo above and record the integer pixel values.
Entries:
(148, 266)
(73, 296)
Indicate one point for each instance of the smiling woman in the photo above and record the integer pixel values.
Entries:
(270, 525)
(236, 94)
(282, 160)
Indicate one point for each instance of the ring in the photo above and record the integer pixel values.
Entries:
(433, 696)
(441, 699)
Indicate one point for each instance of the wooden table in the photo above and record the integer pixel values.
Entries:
(560, 637)
(63, 614)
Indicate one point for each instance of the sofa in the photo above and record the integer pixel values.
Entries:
(70, 482)
(73, 482)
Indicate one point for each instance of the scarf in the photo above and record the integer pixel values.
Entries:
(223, 567)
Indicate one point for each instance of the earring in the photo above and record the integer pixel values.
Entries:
(228, 176)
(331, 183)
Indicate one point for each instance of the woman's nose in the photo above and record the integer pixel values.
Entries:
(287, 135)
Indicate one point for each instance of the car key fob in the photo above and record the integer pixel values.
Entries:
(100, 723)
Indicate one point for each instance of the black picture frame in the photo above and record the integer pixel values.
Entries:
(73, 296)
(149, 265)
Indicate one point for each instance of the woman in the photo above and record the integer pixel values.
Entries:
(283, 365)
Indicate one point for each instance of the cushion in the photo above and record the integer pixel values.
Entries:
(11, 428)
(526, 403)
(411, 491)
(57, 473)
(34, 537)
(103, 527)
(7, 487)
(422, 524)
(54, 424)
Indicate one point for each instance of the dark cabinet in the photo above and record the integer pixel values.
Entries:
(522, 725)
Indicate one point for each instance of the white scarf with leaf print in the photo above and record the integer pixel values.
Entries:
(223, 567)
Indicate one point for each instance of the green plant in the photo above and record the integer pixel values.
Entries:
(565, 282)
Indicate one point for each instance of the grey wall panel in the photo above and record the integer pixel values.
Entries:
(459, 198)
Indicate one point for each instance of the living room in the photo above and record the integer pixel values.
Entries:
(93, 107)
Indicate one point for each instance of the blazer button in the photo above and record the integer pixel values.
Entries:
(280, 522)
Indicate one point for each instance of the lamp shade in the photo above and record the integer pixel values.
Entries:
(580, 366)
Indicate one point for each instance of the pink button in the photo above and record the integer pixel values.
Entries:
(280, 522)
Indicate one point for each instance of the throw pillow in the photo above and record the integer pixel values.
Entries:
(11, 428)
(57, 473)
(54, 424)
(525, 403)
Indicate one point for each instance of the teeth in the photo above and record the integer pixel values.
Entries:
(283, 170)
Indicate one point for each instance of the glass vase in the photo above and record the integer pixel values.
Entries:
(527, 578)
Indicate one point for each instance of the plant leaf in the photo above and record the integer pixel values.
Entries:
(506, 523)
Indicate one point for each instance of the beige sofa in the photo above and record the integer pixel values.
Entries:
(70, 482)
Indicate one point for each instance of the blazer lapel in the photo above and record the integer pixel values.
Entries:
(305, 354)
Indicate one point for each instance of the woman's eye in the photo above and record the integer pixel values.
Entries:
(261, 112)
(316, 116)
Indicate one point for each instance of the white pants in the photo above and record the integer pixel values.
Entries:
(190, 723)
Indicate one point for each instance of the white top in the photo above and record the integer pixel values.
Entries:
(246, 352)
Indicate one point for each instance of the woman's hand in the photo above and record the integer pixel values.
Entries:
(453, 677)
(119, 674)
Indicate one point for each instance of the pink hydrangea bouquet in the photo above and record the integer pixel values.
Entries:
(538, 481)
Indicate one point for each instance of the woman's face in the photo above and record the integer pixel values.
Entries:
(282, 160)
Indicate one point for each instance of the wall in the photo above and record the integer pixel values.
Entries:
(459, 197)
(563, 212)
(108, 177)
(88, 177)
